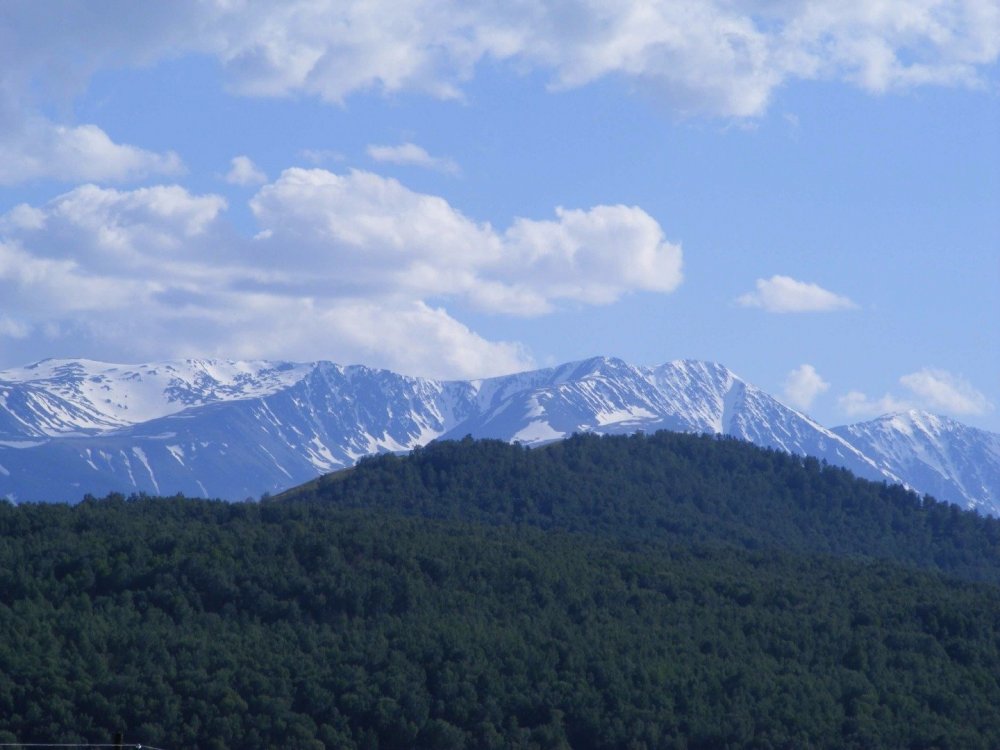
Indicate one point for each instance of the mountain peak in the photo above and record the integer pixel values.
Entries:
(934, 454)
(599, 365)
(909, 421)
(914, 419)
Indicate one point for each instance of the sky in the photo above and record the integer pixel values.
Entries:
(806, 192)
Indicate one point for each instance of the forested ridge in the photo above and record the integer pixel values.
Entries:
(481, 595)
(673, 487)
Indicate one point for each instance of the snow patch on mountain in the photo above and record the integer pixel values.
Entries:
(59, 397)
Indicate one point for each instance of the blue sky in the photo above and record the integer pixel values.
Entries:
(808, 193)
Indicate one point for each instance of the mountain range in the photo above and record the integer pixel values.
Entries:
(237, 429)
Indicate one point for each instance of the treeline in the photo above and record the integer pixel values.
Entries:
(301, 623)
(671, 487)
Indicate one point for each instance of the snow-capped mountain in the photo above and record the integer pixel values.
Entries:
(237, 429)
(218, 428)
(610, 396)
(936, 455)
(81, 397)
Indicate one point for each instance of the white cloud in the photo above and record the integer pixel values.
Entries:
(710, 57)
(244, 172)
(36, 148)
(42, 288)
(14, 329)
(715, 57)
(412, 155)
(593, 256)
(896, 44)
(782, 294)
(929, 390)
(22, 216)
(940, 390)
(112, 231)
(857, 404)
(381, 236)
(373, 229)
(803, 385)
(44, 65)
(352, 267)
(407, 336)
(95, 250)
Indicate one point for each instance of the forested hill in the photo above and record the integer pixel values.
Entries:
(188, 623)
(639, 592)
(671, 487)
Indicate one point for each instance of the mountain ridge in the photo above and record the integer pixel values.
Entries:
(236, 429)
(942, 456)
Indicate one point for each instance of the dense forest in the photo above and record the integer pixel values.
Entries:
(661, 591)
(671, 486)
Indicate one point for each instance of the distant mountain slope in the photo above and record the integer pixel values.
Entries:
(273, 427)
(236, 429)
(938, 455)
(59, 397)
(609, 396)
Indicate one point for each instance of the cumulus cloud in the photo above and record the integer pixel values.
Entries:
(14, 329)
(708, 57)
(928, 389)
(244, 172)
(803, 385)
(97, 249)
(36, 148)
(44, 65)
(893, 45)
(353, 266)
(783, 294)
(410, 154)
(383, 237)
(712, 57)
(115, 232)
(408, 336)
(941, 390)
(857, 404)
(149, 273)
(22, 216)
